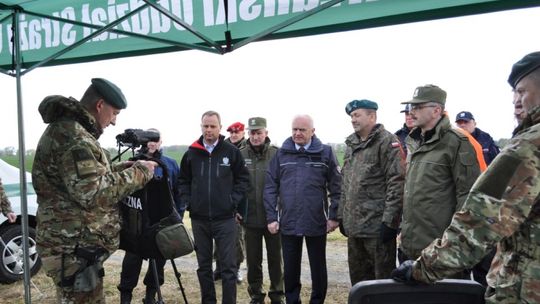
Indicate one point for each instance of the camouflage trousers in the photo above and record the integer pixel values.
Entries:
(370, 258)
(72, 264)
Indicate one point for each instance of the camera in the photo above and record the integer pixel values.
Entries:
(136, 137)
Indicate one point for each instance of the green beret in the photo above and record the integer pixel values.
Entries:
(110, 93)
(360, 104)
(523, 68)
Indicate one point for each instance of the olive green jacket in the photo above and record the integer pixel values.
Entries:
(252, 209)
(441, 169)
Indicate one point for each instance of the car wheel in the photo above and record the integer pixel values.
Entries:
(12, 255)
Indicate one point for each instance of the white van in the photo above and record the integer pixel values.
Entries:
(11, 241)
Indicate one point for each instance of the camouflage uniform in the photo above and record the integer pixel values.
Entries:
(5, 206)
(503, 209)
(78, 190)
(372, 193)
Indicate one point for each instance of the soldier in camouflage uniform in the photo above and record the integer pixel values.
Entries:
(78, 189)
(372, 194)
(502, 209)
(5, 206)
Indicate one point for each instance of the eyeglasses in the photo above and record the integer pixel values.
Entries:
(420, 107)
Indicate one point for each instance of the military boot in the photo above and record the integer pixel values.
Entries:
(125, 297)
(150, 297)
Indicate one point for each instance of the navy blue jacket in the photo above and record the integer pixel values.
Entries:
(402, 134)
(174, 172)
(212, 185)
(297, 188)
(489, 148)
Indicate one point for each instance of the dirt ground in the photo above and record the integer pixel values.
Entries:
(42, 289)
(336, 257)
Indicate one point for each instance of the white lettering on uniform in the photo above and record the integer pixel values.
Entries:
(133, 202)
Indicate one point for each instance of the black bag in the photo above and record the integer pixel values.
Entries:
(151, 226)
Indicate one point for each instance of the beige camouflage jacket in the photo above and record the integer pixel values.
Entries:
(76, 186)
(5, 206)
(372, 188)
(502, 209)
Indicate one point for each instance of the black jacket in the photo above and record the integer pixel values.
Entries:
(212, 185)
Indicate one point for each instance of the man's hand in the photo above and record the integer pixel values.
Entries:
(403, 273)
(273, 227)
(387, 233)
(331, 225)
(238, 218)
(12, 217)
(150, 164)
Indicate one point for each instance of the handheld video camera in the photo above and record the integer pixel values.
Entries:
(134, 138)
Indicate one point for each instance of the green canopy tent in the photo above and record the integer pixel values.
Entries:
(74, 31)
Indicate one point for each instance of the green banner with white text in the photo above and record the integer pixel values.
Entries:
(41, 36)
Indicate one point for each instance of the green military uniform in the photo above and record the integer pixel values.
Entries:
(77, 193)
(441, 169)
(372, 194)
(240, 144)
(254, 221)
(503, 209)
(5, 206)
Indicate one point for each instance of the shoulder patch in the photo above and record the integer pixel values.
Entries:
(85, 164)
(395, 144)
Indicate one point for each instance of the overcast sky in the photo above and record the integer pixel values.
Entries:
(469, 57)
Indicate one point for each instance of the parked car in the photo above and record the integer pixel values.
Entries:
(11, 238)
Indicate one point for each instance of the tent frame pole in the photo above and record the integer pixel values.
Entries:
(22, 154)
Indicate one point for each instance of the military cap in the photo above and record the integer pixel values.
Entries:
(256, 123)
(428, 93)
(464, 115)
(236, 127)
(523, 68)
(407, 108)
(110, 93)
(360, 104)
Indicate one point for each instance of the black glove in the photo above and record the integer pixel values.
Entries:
(403, 273)
(342, 229)
(387, 234)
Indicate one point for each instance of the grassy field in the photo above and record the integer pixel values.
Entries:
(175, 154)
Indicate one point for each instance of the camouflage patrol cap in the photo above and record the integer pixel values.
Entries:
(256, 123)
(360, 104)
(428, 93)
(523, 68)
(110, 92)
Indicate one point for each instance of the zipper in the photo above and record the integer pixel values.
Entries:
(210, 187)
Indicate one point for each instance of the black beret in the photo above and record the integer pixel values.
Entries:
(360, 104)
(110, 92)
(523, 68)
